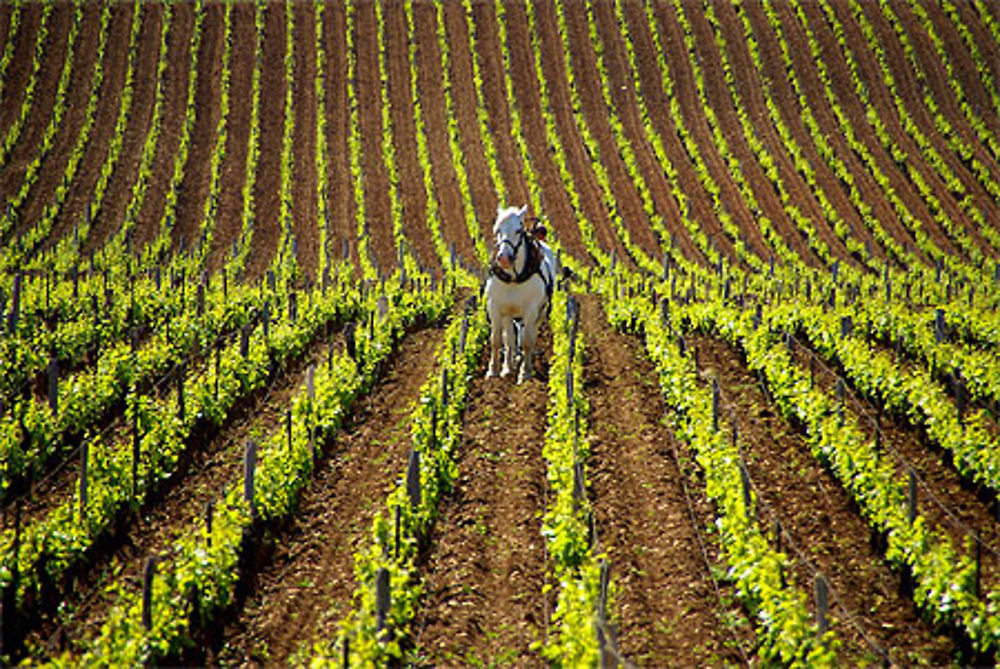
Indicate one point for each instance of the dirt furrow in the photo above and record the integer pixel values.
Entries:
(368, 89)
(623, 96)
(558, 210)
(194, 187)
(343, 221)
(577, 159)
(119, 192)
(819, 523)
(806, 71)
(115, 64)
(20, 68)
(27, 146)
(748, 84)
(305, 210)
(267, 188)
(719, 99)
(304, 588)
(485, 565)
(675, 54)
(667, 610)
(430, 92)
(870, 73)
(212, 462)
(911, 91)
(174, 108)
(229, 215)
(411, 178)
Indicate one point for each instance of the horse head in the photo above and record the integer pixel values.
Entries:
(509, 236)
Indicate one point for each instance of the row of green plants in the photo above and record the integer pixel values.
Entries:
(197, 578)
(50, 545)
(367, 268)
(13, 26)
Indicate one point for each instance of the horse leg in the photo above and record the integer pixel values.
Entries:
(495, 346)
(510, 345)
(528, 336)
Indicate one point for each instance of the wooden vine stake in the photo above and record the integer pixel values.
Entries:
(383, 598)
(747, 497)
(822, 605)
(715, 405)
(148, 570)
(912, 498)
(84, 452)
(413, 479)
(54, 384)
(249, 464)
(209, 513)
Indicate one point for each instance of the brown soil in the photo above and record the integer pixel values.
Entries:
(207, 470)
(229, 215)
(54, 165)
(305, 203)
(174, 106)
(577, 159)
(808, 76)
(486, 565)
(411, 177)
(651, 535)
(267, 226)
(109, 100)
(343, 223)
(119, 192)
(305, 590)
(20, 68)
(819, 523)
(29, 141)
(378, 204)
(194, 186)
(430, 83)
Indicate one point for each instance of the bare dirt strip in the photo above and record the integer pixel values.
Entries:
(20, 67)
(119, 192)
(411, 176)
(198, 170)
(212, 463)
(870, 73)
(657, 105)
(808, 76)
(575, 153)
(179, 43)
(304, 588)
(267, 188)
(305, 212)
(430, 92)
(29, 141)
(628, 204)
(667, 609)
(115, 64)
(719, 99)
(749, 86)
(485, 567)
(368, 89)
(773, 72)
(693, 115)
(623, 96)
(229, 215)
(938, 80)
(819, 523)
(340, 194)
(910, 90)
(463, 93)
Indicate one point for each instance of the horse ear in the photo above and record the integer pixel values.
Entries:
(522, 211)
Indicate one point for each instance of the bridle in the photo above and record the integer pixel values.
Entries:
(530, 266)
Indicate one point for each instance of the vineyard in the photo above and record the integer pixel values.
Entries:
(244, 412)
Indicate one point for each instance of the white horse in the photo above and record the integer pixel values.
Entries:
(522, 276)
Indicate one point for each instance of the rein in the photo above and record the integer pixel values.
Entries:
(532, 263)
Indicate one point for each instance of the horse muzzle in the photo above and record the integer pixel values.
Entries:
(505, 259)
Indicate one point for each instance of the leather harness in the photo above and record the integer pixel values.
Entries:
(532, 266)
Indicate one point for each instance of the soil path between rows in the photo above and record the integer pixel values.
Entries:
(305, 589)
(667, 610)
(485, 566)
(820, 527)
